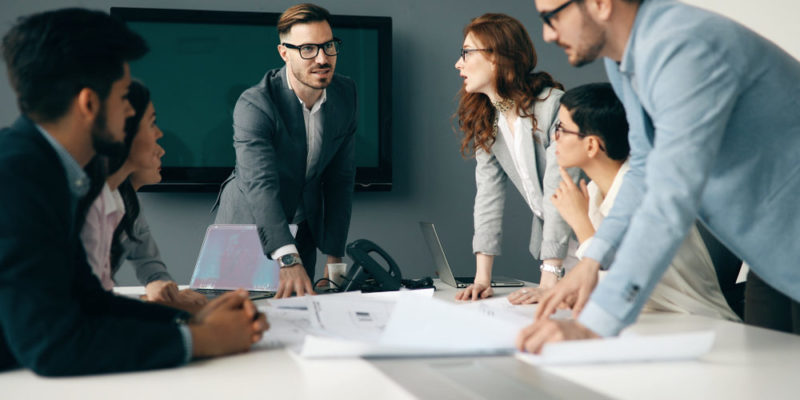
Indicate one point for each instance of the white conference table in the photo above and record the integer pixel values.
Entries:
(745, 363)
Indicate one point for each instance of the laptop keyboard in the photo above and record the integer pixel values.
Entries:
(253, 294)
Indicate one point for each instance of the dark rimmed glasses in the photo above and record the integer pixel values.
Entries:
(560, 130)
(309, 51)
(464, 52)
(547, 16)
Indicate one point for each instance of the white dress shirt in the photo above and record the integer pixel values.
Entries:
(313, 122)
(517, 142)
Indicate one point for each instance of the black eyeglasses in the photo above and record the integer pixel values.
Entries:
(547, 16)
(311, 50)
(464, 52)
(560, 130)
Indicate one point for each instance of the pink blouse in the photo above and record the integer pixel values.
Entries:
(101, 220)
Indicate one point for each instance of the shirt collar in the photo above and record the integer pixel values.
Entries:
(77, 179)
(322, 99)
(608, 200)
(112, 201)
(626, 64)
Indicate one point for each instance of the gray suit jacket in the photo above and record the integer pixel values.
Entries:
(549, 232)
(269, 181)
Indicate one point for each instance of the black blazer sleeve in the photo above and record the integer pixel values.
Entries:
(54, 317)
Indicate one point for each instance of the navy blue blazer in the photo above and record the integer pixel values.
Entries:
(55, 318)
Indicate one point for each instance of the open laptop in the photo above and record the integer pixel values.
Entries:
(231, 258)
(443, 270)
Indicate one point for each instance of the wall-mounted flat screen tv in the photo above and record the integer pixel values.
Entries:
(201, 61)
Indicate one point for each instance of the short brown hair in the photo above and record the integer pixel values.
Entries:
(301, 14)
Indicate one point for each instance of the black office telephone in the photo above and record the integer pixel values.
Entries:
(366, 274)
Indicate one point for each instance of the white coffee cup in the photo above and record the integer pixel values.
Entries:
(336, 272)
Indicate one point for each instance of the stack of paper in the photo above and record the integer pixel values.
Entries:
(351, 316)
(412, 323)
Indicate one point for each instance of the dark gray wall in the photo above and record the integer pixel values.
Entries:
(431, 180)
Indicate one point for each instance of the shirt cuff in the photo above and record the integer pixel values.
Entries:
(283, 250)
(187, 341)
(486, 244)
(599, 321)
(600, 251)
(581, 251)
(158, 276)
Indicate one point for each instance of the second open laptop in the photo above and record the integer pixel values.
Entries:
(443, 269)
(231, 258)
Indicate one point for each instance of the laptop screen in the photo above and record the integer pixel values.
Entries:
(231, 257)
(443, 270)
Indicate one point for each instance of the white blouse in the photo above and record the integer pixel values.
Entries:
(517, 142)
(689, 285)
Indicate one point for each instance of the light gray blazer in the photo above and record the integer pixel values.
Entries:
(269, 180)
(142, 254)
(549, 232)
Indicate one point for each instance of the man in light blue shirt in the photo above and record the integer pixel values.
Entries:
(714, 134)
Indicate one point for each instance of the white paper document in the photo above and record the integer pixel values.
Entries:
(405, 324)
(350, 316)
(500, 307)
(626, 348)
(326, 347)
(287, 327)
(438, 324)
(429, 327)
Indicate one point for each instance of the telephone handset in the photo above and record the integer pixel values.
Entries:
(368, 275)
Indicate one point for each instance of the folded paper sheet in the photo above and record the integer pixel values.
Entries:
(430, 327)
(348, 316)
(413, 324)
(626, 348)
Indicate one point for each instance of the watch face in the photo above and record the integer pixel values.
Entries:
(289, 259)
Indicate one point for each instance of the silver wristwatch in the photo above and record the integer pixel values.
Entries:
(289, 260)
(557, 270)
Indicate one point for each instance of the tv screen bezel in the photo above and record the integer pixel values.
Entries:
(208, 179)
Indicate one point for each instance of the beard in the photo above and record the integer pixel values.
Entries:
(588, 55)
(103, 140)
(593, 39)
(308, 79)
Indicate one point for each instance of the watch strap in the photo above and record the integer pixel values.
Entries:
(556, 270)
(289, 260)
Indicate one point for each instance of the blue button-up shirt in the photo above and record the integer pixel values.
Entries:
(714, 115)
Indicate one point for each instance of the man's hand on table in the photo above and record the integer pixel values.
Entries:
(535, 336)
(294, 279)
(574, 290)
(228, 324)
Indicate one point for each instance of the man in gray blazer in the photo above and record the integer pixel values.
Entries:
(294, 141)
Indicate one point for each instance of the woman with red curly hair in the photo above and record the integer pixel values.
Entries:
(507, 113)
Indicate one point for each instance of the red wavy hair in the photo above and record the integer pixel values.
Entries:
(512, 52)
